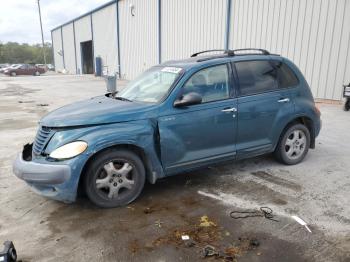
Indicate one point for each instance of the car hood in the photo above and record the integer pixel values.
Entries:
(97, 110)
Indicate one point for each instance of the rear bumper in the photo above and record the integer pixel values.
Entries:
(41, 174)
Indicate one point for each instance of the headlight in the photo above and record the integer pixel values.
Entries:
(69, 150)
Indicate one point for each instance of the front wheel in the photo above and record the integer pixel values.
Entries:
(293, 145)
(114, 178)
(13, 74)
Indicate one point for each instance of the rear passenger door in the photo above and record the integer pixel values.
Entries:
(262, 103)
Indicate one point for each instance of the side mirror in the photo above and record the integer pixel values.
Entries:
(188, 100)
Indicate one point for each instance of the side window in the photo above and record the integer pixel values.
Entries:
(256, 77)
(211, 83)
(285, 75)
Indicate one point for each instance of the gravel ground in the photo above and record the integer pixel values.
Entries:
(149, 229)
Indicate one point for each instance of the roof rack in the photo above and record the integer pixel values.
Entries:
(230, 52)
(207, 51)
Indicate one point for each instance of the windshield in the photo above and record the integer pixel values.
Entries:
(151, 86)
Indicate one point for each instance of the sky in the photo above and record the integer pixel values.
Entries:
(19, 19)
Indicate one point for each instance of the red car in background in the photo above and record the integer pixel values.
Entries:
(24, 69)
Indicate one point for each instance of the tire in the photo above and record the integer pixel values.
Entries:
(13, 74)
(293, 145)
(114, 178)
(347, 105)
(37, 73)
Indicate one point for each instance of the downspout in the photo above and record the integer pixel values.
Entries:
(64, 63)
(159, 31)
(53, 52)
(228, 20)
(75, 50)
(92, 40)
(118, 41)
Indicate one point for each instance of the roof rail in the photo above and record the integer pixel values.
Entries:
(230, 52)
(263, 51)
(207, 51)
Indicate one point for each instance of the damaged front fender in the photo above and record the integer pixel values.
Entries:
(142, 134)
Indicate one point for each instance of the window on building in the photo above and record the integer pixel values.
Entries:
(211, 83)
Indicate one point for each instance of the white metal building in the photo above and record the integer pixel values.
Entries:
(132, 35)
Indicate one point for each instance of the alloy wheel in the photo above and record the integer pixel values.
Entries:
(115, 179)
(295, 144)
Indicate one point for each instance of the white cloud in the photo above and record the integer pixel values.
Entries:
(19, 19)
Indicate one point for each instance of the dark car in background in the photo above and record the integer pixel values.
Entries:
(24, 69)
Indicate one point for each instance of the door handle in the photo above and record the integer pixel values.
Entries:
(283, 100)
(232, 109)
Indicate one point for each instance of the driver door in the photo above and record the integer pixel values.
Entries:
(197, 135)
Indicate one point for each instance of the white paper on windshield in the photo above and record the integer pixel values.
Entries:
(174, 70)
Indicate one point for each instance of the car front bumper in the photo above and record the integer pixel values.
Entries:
(55, 180)
(40, 174)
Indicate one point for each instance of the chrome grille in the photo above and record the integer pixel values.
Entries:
(41, 139)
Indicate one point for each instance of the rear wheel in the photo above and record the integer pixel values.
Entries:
(293, 145)
(114, 178)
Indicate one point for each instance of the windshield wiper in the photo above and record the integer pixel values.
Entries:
(122, 98)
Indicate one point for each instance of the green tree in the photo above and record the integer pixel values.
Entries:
(14, 53)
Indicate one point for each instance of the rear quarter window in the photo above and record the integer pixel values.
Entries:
(285, 75)
(264, 76)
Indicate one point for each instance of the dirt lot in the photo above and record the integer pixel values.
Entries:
(150, 229)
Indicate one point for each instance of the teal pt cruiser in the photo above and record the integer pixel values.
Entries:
(176, 117)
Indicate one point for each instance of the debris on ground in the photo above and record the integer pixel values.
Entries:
(210, 251)
(190, 243)
(134, 246)
(24, 102)
(185, 237)
(158, 223)
(201, 234)
(254, 243)
(148, 210)
(154, 208)
(42, 104)
(205, 222)
(263, 212)
(301, 222)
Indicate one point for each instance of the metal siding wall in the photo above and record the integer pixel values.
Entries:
(105, 37)
(138, 36)
(57, 44)
(314, 34)
(82, 34)
(192, 26)
(68, 46)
